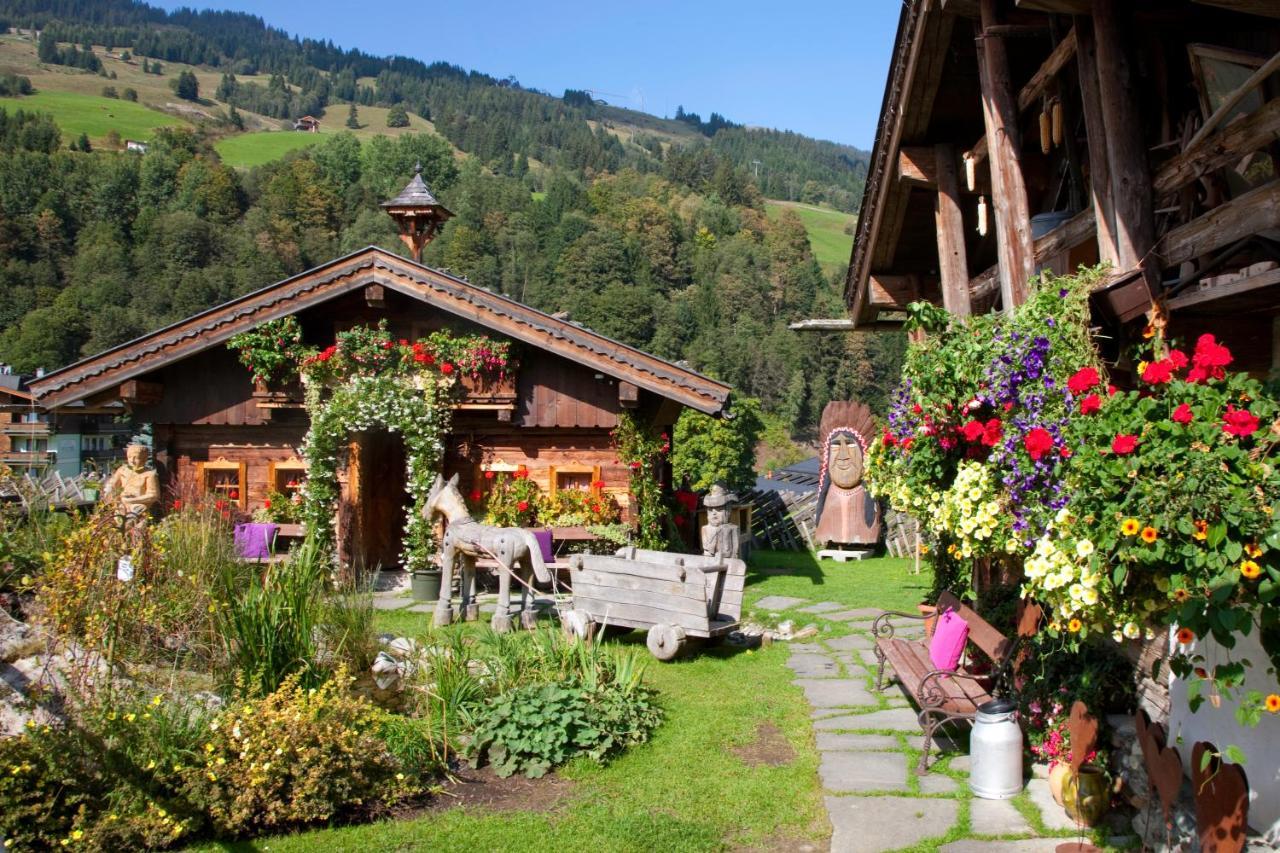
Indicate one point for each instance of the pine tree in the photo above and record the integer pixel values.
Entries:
(397, 117)
(353, 118)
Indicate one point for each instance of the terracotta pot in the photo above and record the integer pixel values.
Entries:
(932, 612)
(1086, 795)
(1057, 776)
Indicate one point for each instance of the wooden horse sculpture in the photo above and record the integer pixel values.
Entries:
(515, 549)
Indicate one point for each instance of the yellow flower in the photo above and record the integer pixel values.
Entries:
(156, 700)
(1149, 534)
(130, 717)
(77, 834)
(1250, 569)
(1202, 530)
(1074, 626)
(1273, 703)
(1129, 526)
(1253, 550)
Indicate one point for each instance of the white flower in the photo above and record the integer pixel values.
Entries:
(1131, 630)
(1084, 548)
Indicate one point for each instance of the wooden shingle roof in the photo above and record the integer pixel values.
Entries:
(101, 373)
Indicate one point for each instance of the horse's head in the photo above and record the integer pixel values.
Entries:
(444, 497)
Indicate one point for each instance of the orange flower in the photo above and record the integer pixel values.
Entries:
(1202, 530)
(1181, 595)
(1186, 636)
(1273, 703)
(1129, 526)
(1250, 569)
(1074, 626)
(1149, 534)
(1253, 550)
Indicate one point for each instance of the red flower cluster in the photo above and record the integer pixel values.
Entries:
(687, 500)
(988, 434)
(1208, 360)
(476, 495)
(446, 368)
(522, 473)
(597, 484)
(1090, 404)
(1182, 414)
(1083, 380)
(1239, 422)
(522, 506)
(1124, 444)
(1038, 442)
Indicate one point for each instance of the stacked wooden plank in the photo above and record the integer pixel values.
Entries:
(783, 521)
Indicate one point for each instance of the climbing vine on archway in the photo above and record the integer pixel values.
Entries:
(418, 411)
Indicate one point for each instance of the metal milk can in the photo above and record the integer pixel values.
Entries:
(995, 751)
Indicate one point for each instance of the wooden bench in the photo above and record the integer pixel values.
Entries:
(943, 696)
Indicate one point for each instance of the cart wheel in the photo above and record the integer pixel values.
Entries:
(665, 641)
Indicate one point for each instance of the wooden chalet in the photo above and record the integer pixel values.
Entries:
(214, 432)
(1022, 135)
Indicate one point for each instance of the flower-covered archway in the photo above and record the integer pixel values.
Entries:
(419, 412)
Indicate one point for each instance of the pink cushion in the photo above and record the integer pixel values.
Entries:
(948, 641)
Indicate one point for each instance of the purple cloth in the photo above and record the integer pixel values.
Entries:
(253, 541)
(544, 545)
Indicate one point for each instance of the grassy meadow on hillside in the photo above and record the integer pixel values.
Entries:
(92, 114)
(831, 246)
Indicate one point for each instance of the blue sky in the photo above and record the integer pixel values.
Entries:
(816, 66)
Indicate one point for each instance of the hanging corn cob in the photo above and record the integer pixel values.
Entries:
(1046, 135)
(970, 171)
(982, 215)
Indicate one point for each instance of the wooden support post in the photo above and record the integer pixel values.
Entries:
(1004, 144)
(953, 264)
(1096, 132)
(1126, 150)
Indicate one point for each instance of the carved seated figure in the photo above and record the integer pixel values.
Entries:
(720, 537)
(134, 488)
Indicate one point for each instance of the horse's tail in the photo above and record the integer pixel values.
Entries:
(535, 556)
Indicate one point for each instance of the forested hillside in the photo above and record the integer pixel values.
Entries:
(655, 237)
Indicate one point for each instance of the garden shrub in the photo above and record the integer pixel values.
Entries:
(296, 756)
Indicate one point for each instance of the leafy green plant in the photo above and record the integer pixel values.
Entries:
(718, 450)
(272, 350)
(512, 499)
(644, 451)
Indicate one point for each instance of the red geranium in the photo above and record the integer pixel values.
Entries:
(1182, 414)
(916, 409)
(1158, 372)
(488, 475)
(1090, 404)
(1178, 358)
(1084, 379)
(266, 504)
(177, 504)
(522, 473)
(1209, 359)
(446, 368)
(1239, 422)
(635, 466)
(1124, 444)
(419, 357)
(476, 495)
(1038, 442)
(522, 506)
(889, 440)
(992, 432)
(907, 442)
(1111, 390)
(973, 430)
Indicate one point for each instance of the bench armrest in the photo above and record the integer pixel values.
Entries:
(882, 628)
(930, 694)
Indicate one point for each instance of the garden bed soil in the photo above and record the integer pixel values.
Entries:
(482, 789)
(770, 748)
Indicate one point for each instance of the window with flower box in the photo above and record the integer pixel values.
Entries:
(223, 480)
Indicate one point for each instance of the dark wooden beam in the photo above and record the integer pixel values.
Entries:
(892, 291)
(984, 290)
(141, 393)
(1104, 215)
(1059, 7)
(1004, 144)
(1068, 235)
(915, 165)
(1227, 146)
(1256, 211)
(1271, 278)
(1048, 71)
(1266, 8)
(1126, 149)
(953, 263)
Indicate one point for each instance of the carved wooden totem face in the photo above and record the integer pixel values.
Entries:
(844, 461)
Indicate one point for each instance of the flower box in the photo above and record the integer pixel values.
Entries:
(290, 392)
(484, 389)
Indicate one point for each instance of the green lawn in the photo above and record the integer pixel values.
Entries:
(78, 113)
(253, 149)
(831, 246)
(686, 789)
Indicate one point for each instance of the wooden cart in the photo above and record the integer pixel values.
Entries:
(675, 596)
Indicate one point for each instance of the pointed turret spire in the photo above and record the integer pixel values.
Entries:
(418, 213)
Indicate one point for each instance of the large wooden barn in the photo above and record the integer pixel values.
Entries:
(214, 432)
(1020, 135)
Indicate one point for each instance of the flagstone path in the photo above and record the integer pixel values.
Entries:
(869, 743)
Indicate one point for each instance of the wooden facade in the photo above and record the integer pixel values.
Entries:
(216, 434)
(1142, 134)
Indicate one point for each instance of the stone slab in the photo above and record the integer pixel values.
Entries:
(873, 824)
(894, 719)
(960, 764)
(858, 614)
(807, 647)
(841, 556)
(1053, 815)
(823, 713)
(835, 692)
(778, 602)
(821, 607)
(1029, 845)
(996, 817)
(809, 665)
(390, 603)
(937, 783)
(833, 742)
(854, 772)
(850, 642)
